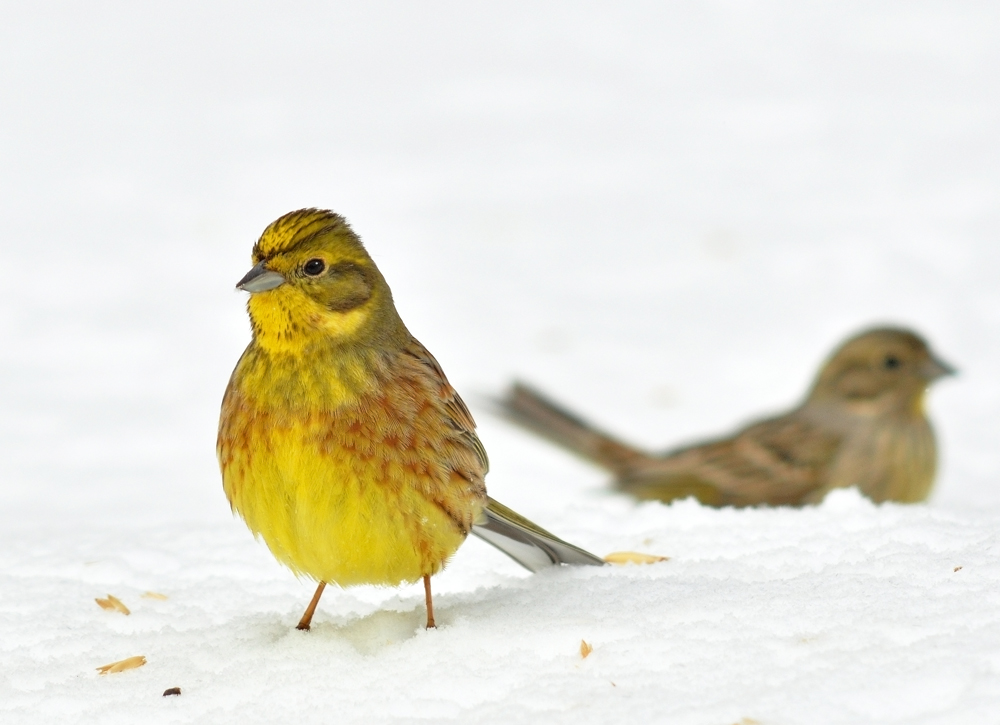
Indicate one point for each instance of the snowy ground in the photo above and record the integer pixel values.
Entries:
(665, 214)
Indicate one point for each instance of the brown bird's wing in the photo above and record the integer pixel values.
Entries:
(780, 461)
(457, 414)
(532, 410)
(526, 543)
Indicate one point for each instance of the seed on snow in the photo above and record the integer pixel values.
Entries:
(127, 664)
(113, 603)
(633, 557)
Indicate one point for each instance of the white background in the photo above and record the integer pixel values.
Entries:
(666, 215)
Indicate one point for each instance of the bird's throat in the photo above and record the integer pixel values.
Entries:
(284, 323)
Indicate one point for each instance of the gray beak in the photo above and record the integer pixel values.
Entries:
(936, 368)
(260, 279)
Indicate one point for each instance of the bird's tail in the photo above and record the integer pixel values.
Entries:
(532, 410)
(529, 545)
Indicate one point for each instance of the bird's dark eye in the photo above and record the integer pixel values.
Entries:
(314, 267)
(891, 362)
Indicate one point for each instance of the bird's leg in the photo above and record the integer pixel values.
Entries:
(430, 603)
(311, 609)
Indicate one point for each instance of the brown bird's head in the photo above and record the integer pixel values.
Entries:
(313, 282)
(880, 371)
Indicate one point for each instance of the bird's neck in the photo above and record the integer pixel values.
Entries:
(326, 360)
(324, 377)
(897, 406)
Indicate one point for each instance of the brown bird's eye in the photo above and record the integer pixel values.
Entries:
(891, 362)
(314, 267)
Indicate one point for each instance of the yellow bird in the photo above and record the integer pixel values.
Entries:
(863, 424)
(341, 443)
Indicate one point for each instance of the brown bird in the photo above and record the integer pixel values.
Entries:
(863, 424)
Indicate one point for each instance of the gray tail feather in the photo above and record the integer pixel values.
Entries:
(529, 545)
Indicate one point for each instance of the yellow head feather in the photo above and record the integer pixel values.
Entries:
(332, 293)
(296, 228)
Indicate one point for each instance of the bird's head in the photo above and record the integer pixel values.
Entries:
(313, 282)
(884, 370)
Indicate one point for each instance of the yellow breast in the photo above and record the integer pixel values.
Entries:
(364, 491)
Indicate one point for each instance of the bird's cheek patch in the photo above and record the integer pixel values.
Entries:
(347, 292)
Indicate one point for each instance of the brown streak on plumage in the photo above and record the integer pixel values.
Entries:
(288, 230)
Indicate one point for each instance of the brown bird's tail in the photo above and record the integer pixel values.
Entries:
(532, 410)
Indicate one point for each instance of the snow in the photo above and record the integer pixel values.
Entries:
(665, 215)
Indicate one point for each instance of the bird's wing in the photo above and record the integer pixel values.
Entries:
(456, 412)
(529, 545)
(439, 426)
(531, 409)
(779, 461)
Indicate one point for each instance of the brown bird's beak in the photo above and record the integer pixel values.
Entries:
(935, 368)
(260, 279)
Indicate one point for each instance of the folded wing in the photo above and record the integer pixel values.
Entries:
(780, 461)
